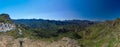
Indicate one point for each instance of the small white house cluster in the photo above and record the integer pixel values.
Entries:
(6, 27)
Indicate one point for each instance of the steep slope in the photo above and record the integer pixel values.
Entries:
(106, 34)
(50, 33)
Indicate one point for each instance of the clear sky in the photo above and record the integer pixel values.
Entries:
(61, 9)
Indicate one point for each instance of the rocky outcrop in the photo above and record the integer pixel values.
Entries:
(6, 27)
(6, 23)
(8, 41)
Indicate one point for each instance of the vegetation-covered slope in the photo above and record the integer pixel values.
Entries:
(105, 34)
(87, 33)
(5, 18)
(6, 23)
(49, 28)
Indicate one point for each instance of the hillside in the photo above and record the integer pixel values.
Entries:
(6, 23)
(106, 34)
(51, 33)
(103, 34)
(39, 28)
(41, 33)
(5, 18)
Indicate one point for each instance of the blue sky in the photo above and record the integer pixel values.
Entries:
(61, 9)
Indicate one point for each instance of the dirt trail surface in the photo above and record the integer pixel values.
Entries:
(8, 41)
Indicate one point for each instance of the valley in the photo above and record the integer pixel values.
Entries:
(51, 33)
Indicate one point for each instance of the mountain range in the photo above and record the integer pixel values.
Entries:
(67, 33)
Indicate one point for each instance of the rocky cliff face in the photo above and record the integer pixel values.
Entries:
(6, 27)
